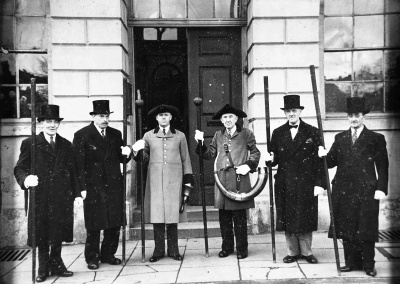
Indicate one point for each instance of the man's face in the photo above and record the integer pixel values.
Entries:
(229, 120)
(101, 120)
(293, 115)
(50, 126)
(164, 119)
(356, 119)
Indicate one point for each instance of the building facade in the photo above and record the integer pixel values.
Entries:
(172, 51)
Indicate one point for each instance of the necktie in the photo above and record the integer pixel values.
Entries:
(354, 136)
(163, 130)
(52, 144)
(102, 134)
(229, 132)
(293, 126)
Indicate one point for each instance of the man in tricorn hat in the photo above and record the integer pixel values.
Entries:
(361, 180)
(236, 155)
(97, 150)
(166, 151)
(57, 186)
(298, 182)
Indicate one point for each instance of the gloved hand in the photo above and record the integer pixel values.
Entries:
(31, 180)
(242, 170)
(322, 152)
(83, 193)
(318, 190)
(139, 145)
(269, 157)
(379, 194)
(78, 201)
(199, 135)
(126, 150)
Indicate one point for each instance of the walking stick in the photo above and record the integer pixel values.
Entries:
(33, 172)
(139, 104)
(124, 133)
(198, 101)
(328, 184)
(269, 164)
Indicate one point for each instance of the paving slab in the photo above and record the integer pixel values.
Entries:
(208, 274)
(197, 258)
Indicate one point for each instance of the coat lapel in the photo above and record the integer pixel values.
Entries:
(300, 138)
(43, 145)
(97, 138)
(61, 151)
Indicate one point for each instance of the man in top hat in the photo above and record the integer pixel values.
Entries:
(97, 149)
(236, 154)
(361, 180)
(166, 151)
(299, 180)
(57, 186)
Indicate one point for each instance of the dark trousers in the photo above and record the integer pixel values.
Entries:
(233, 220)
(109, 245)
(159, 239)
(359, 254)
(49, 257)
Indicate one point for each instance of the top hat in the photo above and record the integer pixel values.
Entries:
(229, 109)
(291, 101)
(101, 107)
(163, 108)
(49, 112)
(356, 105)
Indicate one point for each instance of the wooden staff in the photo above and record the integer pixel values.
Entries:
(198, 101)
(124, 133)
(269, 164)
(139, 104)
(33, 172)
(328, 183)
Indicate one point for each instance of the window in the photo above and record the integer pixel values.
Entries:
(362, 54)
(24, 56)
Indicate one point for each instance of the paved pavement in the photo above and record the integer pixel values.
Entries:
(197, 268)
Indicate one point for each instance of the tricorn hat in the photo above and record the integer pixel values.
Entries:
(49, 112)
(163, 108)
(356, 105)
(229, 109)
(101, 107)
(291, 101)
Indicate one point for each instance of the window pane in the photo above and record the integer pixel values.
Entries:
(7, 32)
(392, 95)
(226, 9)
(149, 34)
(25, 99)
(335, 96)
(338, 7)
(392, 64)
(173, 9)
(368, 31)
(8, 102)
(392, 30)
(7, 72)
(31, 33)
(201, 9)
(368, 65)
(146, 9)
(373, 94)
(368, 6)
(32, 66)
(339, 32)
(338, 66)
(392, 6)
(30, 7)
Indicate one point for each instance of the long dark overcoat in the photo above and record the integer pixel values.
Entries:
(355, 210)
(299, 170)
(98, 165)
(58, 186)
(168, 167)
(243, 150)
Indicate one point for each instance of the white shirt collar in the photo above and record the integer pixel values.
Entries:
(99, 129)
(166, 129)
(233, 130)
(359, 130)
(47, 137)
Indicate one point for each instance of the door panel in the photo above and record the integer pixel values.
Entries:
(214, 64)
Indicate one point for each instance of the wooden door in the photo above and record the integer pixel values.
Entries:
(215, 75)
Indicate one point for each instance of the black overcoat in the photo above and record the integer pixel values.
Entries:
(299, 170)
(98, 165)
(58, 186)
(355, 210)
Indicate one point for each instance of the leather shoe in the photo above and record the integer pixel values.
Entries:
(224, 253)
(176, 256)
(112, 260)
(346, 269)
(290, 258)
(241, 255)
(41, 277)
(63, 273)
(155, 258)
(310, 259)
(93, 265)
(371, 272)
